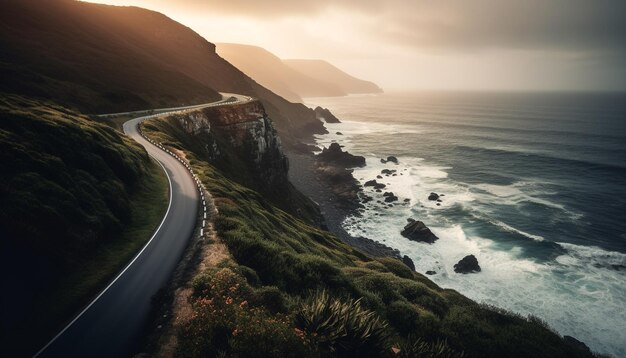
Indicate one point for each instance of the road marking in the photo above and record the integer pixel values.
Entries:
(169, 206)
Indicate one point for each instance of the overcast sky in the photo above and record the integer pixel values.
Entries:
(429, 44)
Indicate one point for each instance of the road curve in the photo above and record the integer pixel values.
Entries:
(112, 325)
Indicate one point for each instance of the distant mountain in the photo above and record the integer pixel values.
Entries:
(102, 58)
(271, 72)
(326, 72)
(293, 79)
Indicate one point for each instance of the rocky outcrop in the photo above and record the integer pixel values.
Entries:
(332, 167)
(242, 130)
(417, 231)
(408, 262)
(375, 184)
(391, 159)
(334, 155)
(576, 344)
(468, 264)
(325, 115)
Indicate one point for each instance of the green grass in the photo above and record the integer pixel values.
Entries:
(78, 202)
(74, 291)
(274, 250)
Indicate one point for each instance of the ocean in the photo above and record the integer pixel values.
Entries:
(534, 186)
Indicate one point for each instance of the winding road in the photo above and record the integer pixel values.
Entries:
(114, 323)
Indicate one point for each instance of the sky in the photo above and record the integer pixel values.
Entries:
(548, 45)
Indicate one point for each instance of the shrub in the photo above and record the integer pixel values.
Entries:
(415, 347)
(224, 322)
(396, 267)
(403, 317)
(271, 298)
(342, 327)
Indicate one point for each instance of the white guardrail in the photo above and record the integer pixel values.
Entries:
(200, 186)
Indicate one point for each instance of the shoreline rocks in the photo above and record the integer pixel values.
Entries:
(407, 261)
(325, 115)
(375, 184)
(335, 155)
(391, 159)
(417, 231)
(468, 264)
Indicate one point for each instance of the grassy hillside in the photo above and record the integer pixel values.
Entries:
(103, 59)
(77, 200)
(291, 289)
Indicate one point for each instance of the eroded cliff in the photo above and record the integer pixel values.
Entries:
(242, 130)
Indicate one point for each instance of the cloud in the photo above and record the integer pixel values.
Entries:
(459, 25)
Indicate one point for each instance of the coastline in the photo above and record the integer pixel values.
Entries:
(303, 176)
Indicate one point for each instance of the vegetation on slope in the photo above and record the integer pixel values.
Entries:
(234, 166)
(77, 200)
(295, 290)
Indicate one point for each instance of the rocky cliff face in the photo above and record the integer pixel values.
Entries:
(244, 131)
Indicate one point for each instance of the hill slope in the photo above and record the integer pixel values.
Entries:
(326, 72)
(262, 298)
(271, 72)
(77, 199)
(101, 58)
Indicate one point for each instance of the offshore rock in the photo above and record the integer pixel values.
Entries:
(468, 264)
(417, 231)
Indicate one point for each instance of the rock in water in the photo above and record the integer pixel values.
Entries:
(417, 231)
(430, 272)
(468, 264)
(375, 184)
(433, 196)
(407, 261)
(390, 158)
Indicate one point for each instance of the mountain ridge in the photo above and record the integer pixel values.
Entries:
(103, 58)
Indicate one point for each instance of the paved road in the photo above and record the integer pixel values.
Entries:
(113, 325)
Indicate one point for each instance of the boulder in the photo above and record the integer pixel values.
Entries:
(339, 133)
(391, 198)
(433, 196)
(334, 154)
(390, 158)
(417, 231)
(468, 264)
(407, 261)
(430, 272)
(575, 343)
(375, 184)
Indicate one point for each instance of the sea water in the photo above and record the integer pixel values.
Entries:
(534, 186)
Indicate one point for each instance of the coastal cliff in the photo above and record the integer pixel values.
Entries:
(242, 142)
(243, 130)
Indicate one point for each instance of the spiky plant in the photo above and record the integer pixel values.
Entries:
(342, 326)
(415, 347)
